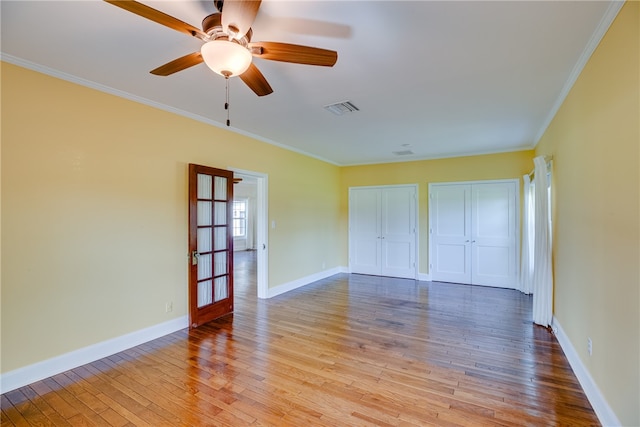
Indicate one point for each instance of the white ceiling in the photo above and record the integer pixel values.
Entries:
(438, 79)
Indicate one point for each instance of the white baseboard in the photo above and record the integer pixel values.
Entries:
(286, 287)
(424, 277)
(29, 374)
(602, 409)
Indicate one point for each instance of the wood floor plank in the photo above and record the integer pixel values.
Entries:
(15, 417)
(348, 350)
(53, 416)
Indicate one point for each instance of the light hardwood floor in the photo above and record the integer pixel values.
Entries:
(350, 350)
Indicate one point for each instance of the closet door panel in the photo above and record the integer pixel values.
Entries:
(398, 233)
(451, 233)
(364, 231)
(494, 234)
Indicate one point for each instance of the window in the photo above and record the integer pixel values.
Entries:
(239, 218)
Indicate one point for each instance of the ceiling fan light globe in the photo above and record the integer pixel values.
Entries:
(225, 57)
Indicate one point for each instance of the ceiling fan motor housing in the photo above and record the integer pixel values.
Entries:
(212, 26)
(212, 23)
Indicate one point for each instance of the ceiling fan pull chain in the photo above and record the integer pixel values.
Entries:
(226, 103)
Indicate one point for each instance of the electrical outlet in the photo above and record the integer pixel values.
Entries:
(168, 307)
(589, 346)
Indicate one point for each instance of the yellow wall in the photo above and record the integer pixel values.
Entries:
(594, 140)
(94, 213)
(473, 168)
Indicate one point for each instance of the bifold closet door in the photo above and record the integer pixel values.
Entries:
(382, 231)
(473, 233)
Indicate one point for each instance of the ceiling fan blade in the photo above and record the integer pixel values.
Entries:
(239, 16)
(256, 81)
(179, 64)
(297, 54)
(159, 17)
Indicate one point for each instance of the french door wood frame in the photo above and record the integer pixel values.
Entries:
(210, 244)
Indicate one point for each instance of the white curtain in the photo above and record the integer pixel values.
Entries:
(542, 274)
(528, 236)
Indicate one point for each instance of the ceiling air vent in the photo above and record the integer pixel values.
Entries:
(340, 108)
(402, 153)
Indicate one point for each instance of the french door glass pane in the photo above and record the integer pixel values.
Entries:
(221, 291)
(205, 239)
(205, 296)
(220, 263)
(220, 238)
(221, 213)
(204, 267)
(221, 187)
(204, 213)
(204, 187)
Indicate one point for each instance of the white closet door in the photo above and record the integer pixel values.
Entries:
(474, 233)
(450, 207)
(494, 234)
(398, 221)
(382, 231)
(364, 231)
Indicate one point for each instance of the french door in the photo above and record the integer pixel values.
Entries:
(210, 244)
(473, 232)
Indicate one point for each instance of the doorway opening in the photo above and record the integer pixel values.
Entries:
(253, 189)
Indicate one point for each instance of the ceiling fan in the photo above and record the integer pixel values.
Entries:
(228, 49)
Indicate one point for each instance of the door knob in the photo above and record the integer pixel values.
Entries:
(194, 257)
